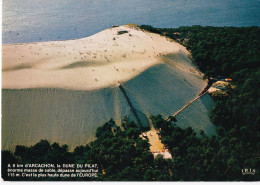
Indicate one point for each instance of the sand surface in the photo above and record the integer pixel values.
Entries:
(155, 142)
(95, 62)
(218, 86)
(156, 146)
(63, 90)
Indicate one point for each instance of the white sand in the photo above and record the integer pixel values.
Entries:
(95, 62)
(218, 86)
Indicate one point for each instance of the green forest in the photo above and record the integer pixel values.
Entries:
(122, 155)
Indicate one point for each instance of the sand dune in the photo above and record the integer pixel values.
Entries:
(63, 90)
(94, 62)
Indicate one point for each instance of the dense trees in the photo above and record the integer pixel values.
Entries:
(218, 50)
(120, 154)
(214, 158)
(126, 157)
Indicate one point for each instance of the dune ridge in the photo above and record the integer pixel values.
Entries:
(94, 62)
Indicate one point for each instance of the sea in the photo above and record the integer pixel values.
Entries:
(48, 20)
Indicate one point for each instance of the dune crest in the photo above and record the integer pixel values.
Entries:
(99, 61)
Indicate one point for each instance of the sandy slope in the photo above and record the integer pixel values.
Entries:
(63, 90)
(90, 63)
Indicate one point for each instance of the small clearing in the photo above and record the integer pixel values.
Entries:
(156, 145)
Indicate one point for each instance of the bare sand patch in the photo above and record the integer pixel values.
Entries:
(218, 86)
(156, 144)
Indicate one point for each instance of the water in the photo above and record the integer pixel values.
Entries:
(45, 20)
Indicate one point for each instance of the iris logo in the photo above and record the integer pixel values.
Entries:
(247, 171)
